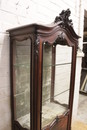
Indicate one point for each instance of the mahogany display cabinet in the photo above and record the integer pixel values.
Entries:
(42, 66)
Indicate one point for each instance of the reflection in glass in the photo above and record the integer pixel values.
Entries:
(22, 82)
(55, 93)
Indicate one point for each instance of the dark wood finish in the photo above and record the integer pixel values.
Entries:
(59, 32)
(14, 79)
(73, 67)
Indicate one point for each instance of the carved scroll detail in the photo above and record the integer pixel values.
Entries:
(59, 40)
(37, 46)
(64, 18)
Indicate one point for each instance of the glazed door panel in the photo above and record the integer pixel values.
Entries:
(55, 84)
(62, 74)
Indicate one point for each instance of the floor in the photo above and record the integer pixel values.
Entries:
(81, 121)
(77, 125)
(82, 109)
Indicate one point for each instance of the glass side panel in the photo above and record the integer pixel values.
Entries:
(22, 82)
(56, 81)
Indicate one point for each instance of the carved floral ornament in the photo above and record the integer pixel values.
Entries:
(64, 18)
(64, 22)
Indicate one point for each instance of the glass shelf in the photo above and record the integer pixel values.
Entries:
(51, 65)
(22, 65)
(56, 95)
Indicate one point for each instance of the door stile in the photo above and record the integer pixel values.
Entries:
(74, 52)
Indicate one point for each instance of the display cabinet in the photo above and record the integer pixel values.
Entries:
(42, 66)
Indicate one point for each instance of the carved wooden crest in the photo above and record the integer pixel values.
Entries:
(64, 18)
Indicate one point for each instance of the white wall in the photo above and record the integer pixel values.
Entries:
(81, 6)
(15, 13)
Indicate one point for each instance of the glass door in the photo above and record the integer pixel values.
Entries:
(55, 82)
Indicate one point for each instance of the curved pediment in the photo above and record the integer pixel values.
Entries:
(61, 24)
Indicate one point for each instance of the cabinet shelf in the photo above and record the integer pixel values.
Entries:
(22, 65)
(51, 65)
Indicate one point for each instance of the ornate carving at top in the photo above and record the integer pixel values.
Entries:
(64, 18)
(60, 40)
